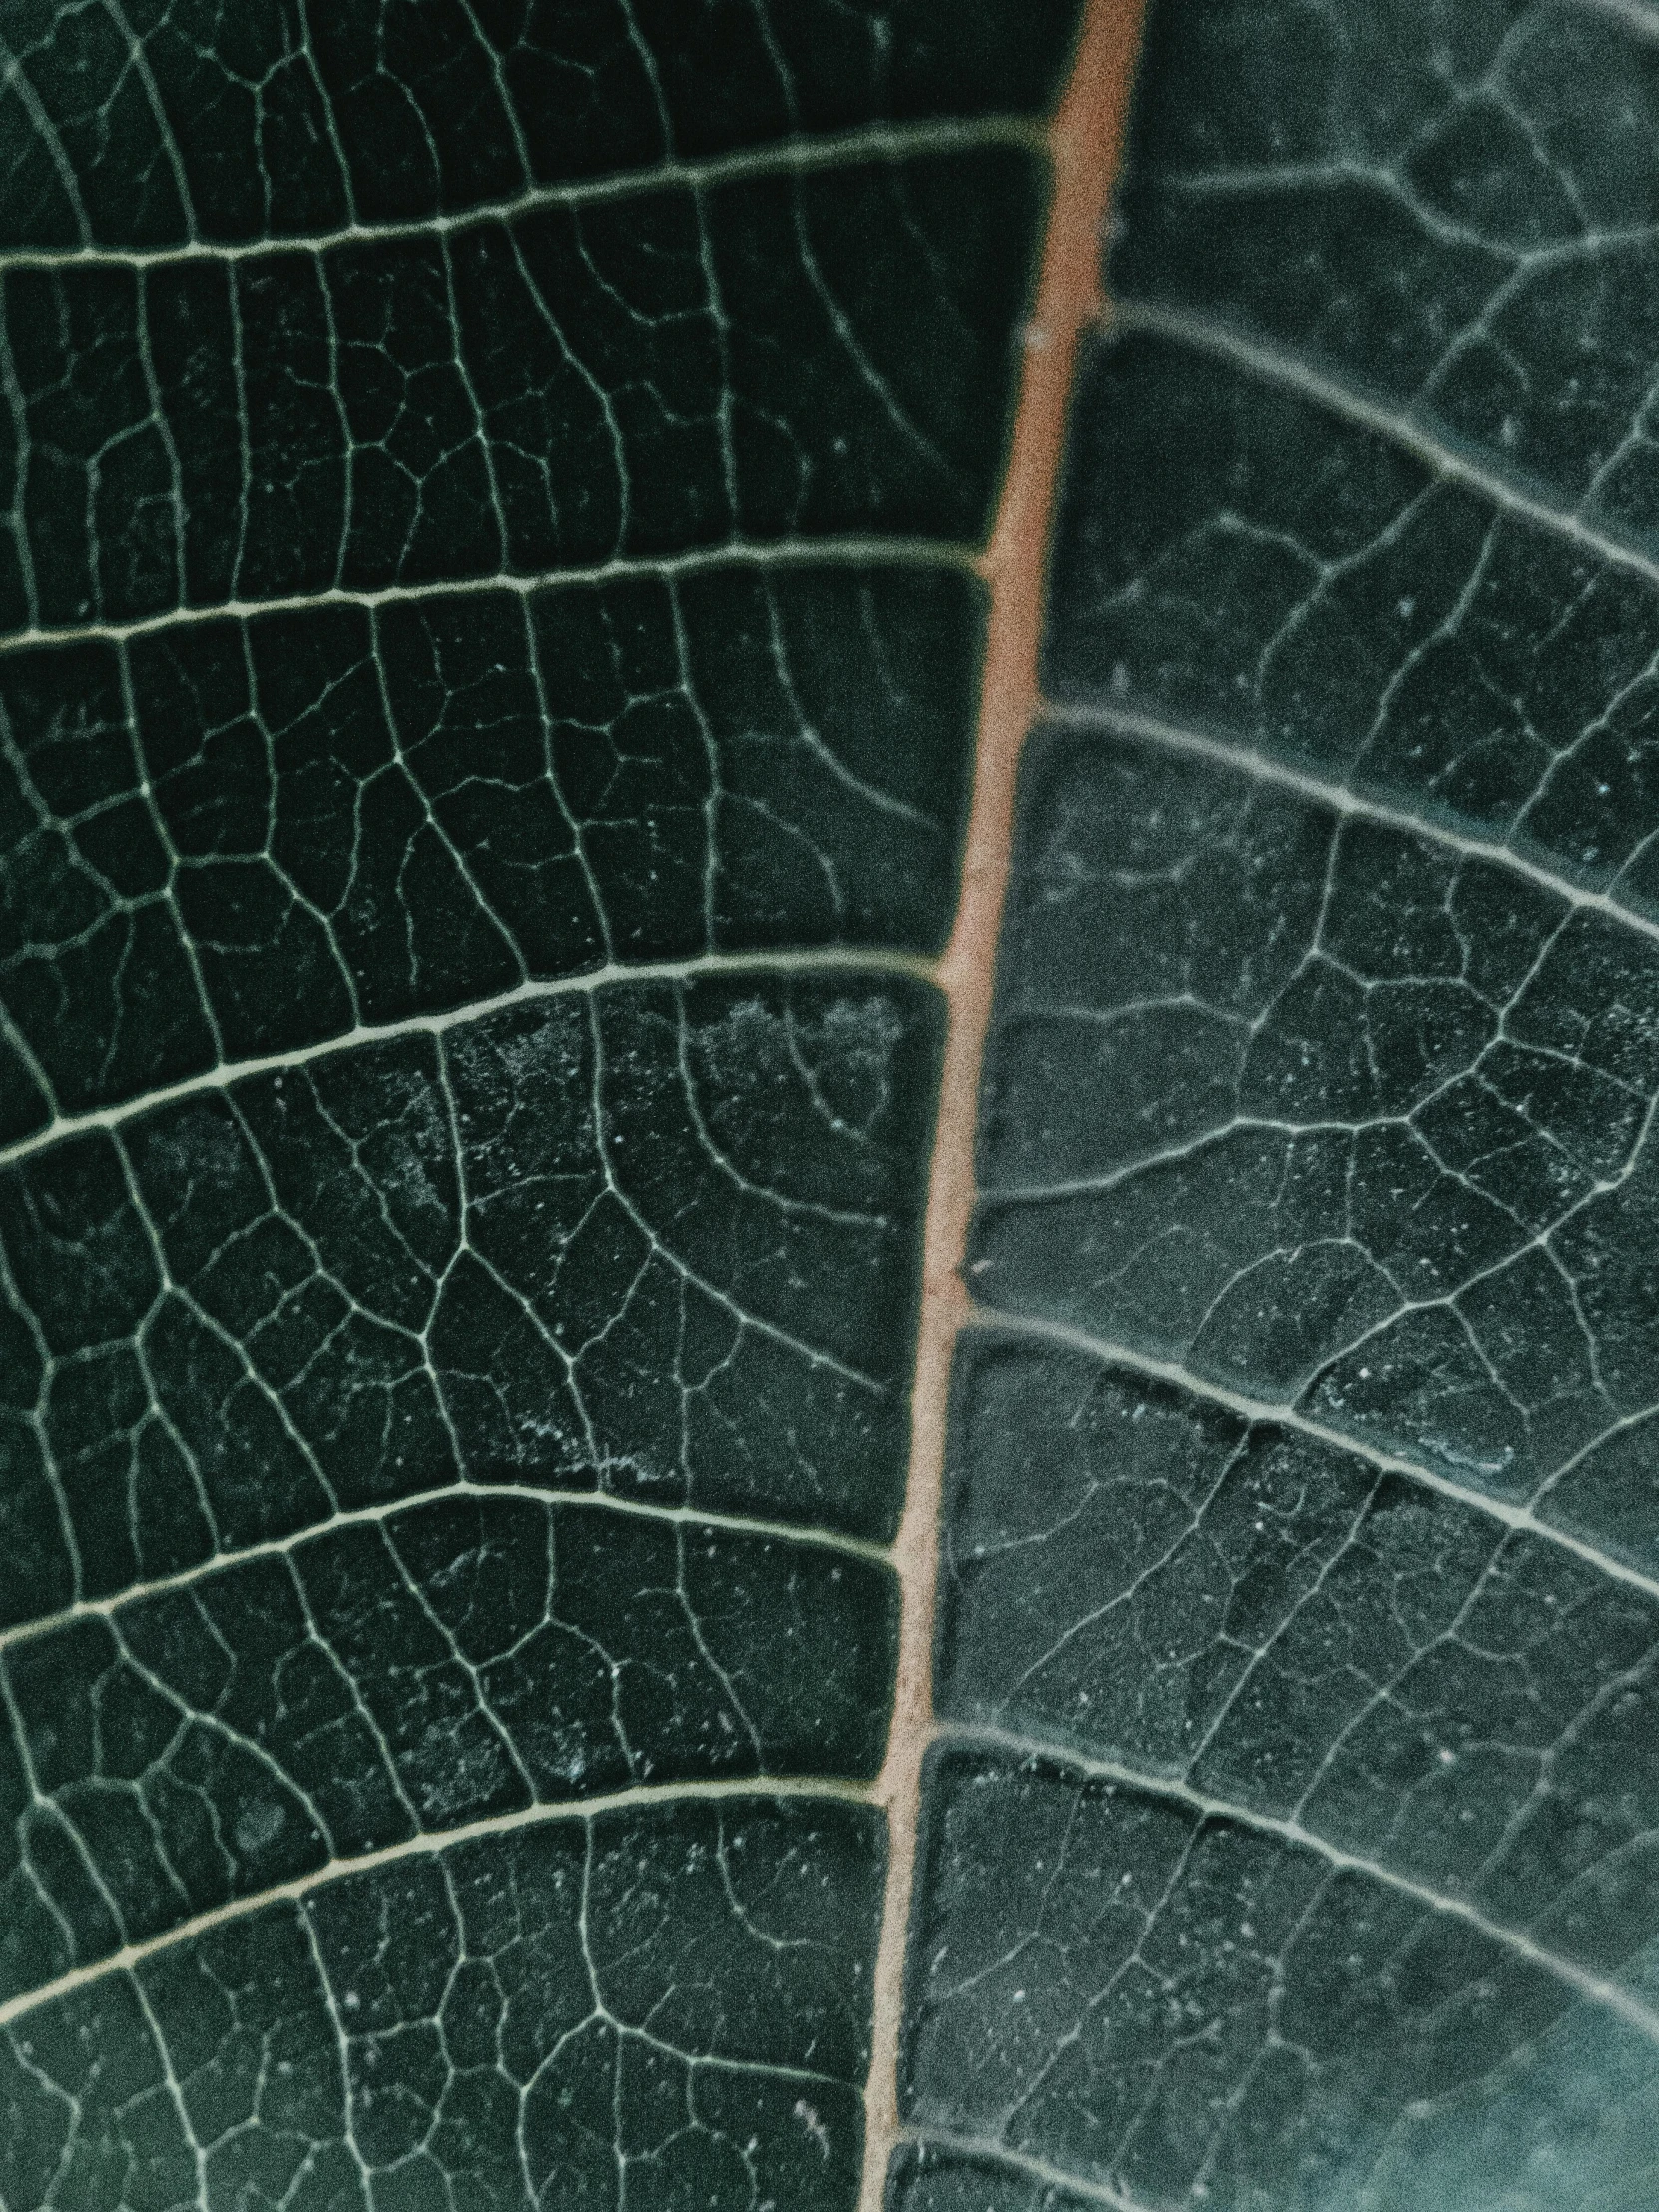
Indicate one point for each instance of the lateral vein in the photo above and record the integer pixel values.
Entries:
(830, 961)
(1266, 1413)
(1350, 804)
(844, 552)
(1040, 2170)
(1398, 428)
(359, 1516)
(643, 1795)
(1589, 1985)
(792, 157)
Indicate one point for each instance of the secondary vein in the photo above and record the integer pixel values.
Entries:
(1592, 1987)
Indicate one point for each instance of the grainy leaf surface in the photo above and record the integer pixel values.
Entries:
(1291, 1845)
(486, 500)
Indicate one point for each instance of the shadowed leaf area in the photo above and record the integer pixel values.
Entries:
(488, 491)
(1293, 1842)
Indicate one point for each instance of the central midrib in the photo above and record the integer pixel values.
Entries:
(1085, 142)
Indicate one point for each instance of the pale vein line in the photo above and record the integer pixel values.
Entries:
(755, 1788)
(1588, 1986)
(1040, 2170)
(1266, 1413)
(828, 961)
(1399, 427)
(796, 157)
(866, 552)
(1632, 14)
(359, 1516)
(1314, 175)
(1351, 805)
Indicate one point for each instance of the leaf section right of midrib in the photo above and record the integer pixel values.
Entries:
(1291, 1842)
(1383, 496)
(1291, 1830)
(1291, 537)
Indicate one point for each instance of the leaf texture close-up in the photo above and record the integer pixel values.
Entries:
(828, 1038)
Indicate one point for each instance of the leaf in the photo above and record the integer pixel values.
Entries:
(1290, 1839)
(489, 720)
(487, 530)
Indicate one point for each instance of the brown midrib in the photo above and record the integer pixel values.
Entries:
(1085, 142)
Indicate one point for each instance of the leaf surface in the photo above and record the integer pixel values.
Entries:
(488, 502)
(490, 498)
(1289, 1840)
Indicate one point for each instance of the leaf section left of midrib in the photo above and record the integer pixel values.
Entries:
(657, 1240)
(462, 1660)
(244, 838)
(666, 1995)
(192, 129)
(811, 355)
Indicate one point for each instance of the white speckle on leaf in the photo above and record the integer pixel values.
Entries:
(814, 2125)
(257, 1823)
